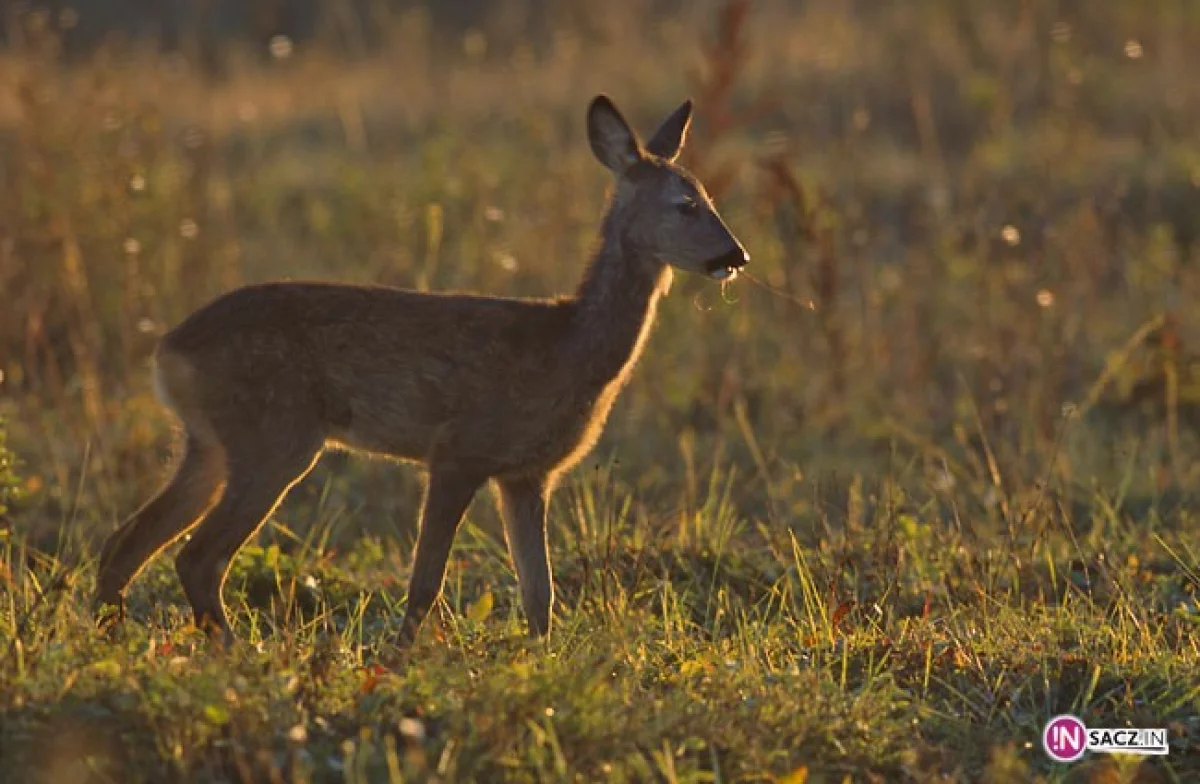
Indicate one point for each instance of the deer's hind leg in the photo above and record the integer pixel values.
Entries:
(523, 507)
(177, 507)
(261, 468)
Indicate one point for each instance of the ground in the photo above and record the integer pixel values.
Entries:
(920, 481)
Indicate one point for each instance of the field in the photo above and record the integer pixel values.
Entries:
(923, 479)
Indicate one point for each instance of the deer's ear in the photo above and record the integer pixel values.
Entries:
(668, 140)
(613, 142)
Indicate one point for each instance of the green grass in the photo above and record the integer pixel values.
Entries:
(883, 537)
(689, 652)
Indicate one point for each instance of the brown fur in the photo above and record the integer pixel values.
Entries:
(476, 388)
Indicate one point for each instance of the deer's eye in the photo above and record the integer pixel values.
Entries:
(688, 207)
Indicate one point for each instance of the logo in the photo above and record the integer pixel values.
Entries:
(1065, 739)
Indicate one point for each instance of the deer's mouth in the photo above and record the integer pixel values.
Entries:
(726, 266)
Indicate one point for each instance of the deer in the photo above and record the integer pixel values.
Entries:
(474, 389)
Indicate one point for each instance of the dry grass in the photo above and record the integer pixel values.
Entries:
(922, 481)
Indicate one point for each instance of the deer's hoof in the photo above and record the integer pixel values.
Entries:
(108, 614)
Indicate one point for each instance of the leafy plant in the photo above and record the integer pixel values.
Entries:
(10, 484)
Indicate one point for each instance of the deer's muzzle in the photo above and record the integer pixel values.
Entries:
(727, 264)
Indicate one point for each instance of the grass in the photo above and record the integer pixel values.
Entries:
(876, 512)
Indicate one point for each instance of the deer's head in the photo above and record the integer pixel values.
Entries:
(665, 213)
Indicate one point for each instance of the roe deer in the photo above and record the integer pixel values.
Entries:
(476, 388)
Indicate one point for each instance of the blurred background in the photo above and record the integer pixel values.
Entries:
(974, 229)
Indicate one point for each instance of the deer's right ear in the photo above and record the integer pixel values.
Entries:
(668, 140)
(613, 142)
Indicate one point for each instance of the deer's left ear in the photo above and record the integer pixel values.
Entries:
(668, 140)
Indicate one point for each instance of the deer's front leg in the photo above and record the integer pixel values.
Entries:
(447, 496)
(523, 507)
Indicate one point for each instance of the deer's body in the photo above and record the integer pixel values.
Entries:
(476, 388)
(512, 386)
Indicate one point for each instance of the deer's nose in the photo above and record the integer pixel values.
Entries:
(727, 263)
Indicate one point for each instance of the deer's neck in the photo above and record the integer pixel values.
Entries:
(615, 307)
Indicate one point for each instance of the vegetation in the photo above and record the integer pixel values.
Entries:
(920, 481)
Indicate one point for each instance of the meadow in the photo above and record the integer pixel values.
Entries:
(919, 481)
